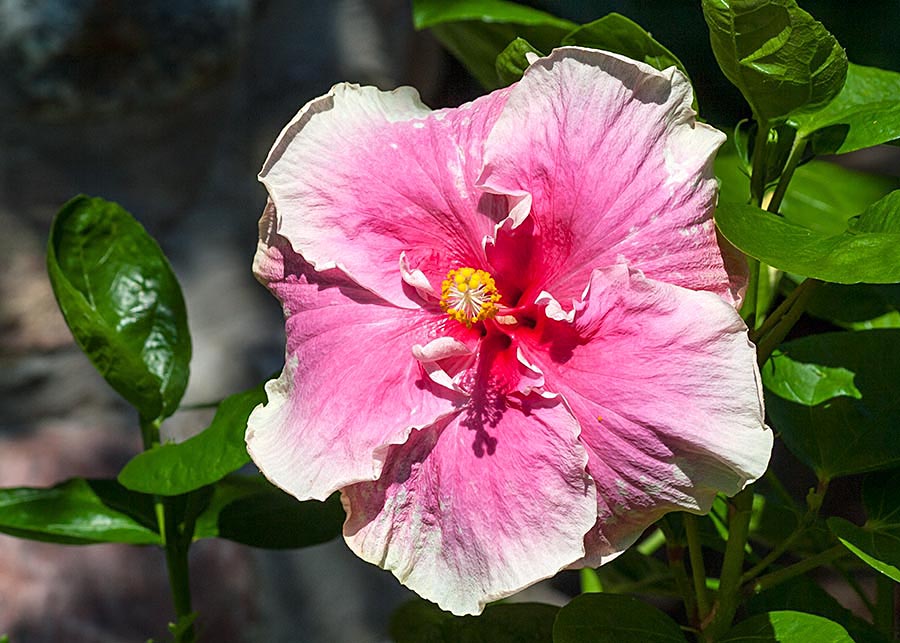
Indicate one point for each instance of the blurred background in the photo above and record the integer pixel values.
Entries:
(169, 108)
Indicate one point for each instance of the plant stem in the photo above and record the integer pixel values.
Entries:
(758, 170)
(675, 558)
(732, 565)
(793, 159)
(768, 336)
(814, 502)
(149, 433)
(776, 578)
(590, 581)
(698, 570)
(177, 544)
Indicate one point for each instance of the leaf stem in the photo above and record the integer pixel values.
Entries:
(698, 570)
(814, 500)
(791, 571)
(150, 432)
(732, 566)
(758, 169)
(797, 148)
(776, 327)
(177, 544)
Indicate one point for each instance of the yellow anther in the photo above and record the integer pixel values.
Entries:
(469, 295)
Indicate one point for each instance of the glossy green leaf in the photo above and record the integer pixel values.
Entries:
(877, 543)
(866, 112)
(122, 302)
(477, 31)
(823, 196)
(614, 618)
(803, 594)
(428, 13)
(848, 433)
(787, 627)
(79, 512)
(781, 59)
(423, 622)
(807, 384)
(857, 306)
(616, 33)
(172, 469)
(251, 511)
(867, 251)
(512, 61)
(878, 549)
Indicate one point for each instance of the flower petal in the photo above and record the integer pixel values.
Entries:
(360, 176)
(609, 150)
(346, 349)
(469, 511)
(664, 383)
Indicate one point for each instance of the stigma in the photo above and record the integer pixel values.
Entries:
(469, 295)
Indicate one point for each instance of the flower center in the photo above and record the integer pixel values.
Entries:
(469, 295)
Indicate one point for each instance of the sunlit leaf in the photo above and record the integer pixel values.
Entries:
(853, 431)
(172, 469)
(877, 543)
(787, 627)
(79, 512)
(122, 302)
(867, 251)
(781, 59)
(477, 31)
(866, 112)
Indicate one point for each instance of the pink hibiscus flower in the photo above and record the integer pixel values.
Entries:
(511, 335)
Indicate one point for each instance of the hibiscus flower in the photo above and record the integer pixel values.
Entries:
(512, 342)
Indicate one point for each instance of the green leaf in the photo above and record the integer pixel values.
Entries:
(512, 61)
(854, 431)
(781, 59)
(877, 543)
(878, 549)
(632, 571)
(79, 512)
(616, 33)
(807, 384)
(867, 251)
(858, 306)
(251, 511)
(787, 627)
(423, 622)
(122, 302)
(477, 31)
(173, 469)
(823, 196)
(613, 618)
(866, 112)
(803, 594)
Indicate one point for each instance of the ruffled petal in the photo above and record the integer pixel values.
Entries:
(610, 153)
(664, 383)
(479, 506)
(361, 176)
(351, 386)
